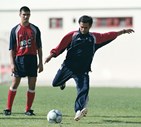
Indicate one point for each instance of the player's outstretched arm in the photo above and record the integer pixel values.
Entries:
(124, 31)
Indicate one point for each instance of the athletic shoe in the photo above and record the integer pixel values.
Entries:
(84, 111)
(85, 107)
(30, 113)
(79, 114)
(7, 112)
(62, 87)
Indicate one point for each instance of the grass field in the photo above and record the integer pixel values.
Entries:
(108, 107)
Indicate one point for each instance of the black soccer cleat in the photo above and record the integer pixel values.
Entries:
(62, 87)
(29, 113)
(7, 112)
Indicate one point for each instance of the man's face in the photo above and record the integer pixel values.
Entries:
(84, 27)
(24, 16)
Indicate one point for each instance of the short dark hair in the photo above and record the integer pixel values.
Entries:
(86, 19)
(25, 9)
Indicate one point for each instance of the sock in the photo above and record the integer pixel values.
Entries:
(11, 96)
(30, 99)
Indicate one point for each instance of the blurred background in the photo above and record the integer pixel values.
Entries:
(115, 65)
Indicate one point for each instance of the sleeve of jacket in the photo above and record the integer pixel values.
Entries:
(104, 38)
(12, 44)
(66, 40)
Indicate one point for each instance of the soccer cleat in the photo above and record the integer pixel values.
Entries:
(30, 113)
(62, 87)
(84, 111)
(7, 112)
(79, 114)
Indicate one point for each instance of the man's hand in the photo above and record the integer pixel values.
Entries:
(40, 68)
(47, 59)
(124, 31)
(128, 31)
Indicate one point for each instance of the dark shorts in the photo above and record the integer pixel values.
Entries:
(26, 66)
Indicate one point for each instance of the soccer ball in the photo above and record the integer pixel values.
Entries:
(54, 116)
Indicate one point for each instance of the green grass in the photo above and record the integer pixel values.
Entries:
(108, 107)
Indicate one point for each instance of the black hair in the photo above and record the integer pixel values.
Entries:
(86, 19)
(25, 9)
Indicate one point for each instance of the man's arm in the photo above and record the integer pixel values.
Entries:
(61, 47)
(104, 39)
(40, 55)
(12, 61)
(66, 40)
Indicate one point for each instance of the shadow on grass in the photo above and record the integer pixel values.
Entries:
(22, 116)
(86, 120)
(117, 116)
(111, 120)
(120, 121)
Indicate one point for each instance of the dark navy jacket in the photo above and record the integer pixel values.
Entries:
(80, 53)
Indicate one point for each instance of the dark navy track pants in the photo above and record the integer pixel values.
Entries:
(82, 85)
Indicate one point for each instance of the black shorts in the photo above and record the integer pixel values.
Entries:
(26, 66)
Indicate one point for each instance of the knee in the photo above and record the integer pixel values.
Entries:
(13, 88)
(54, 83)
(31, 87)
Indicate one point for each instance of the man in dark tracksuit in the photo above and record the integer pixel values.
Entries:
(81, 46)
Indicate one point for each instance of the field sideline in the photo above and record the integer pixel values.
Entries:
(108, 107)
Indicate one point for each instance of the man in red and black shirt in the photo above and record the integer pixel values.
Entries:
(81, 46)
(25, 45)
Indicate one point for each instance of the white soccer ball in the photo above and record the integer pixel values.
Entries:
(54, 116)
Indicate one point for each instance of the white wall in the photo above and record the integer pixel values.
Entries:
(115, 64)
